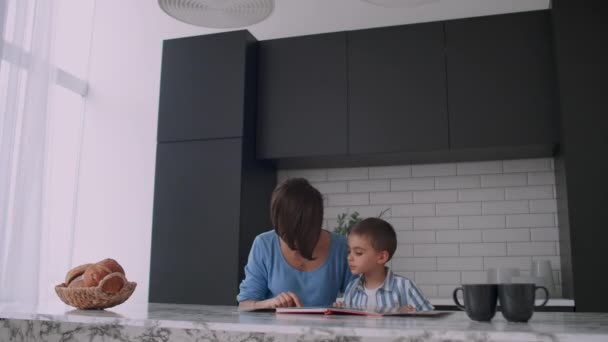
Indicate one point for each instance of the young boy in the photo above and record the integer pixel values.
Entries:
(371, 244)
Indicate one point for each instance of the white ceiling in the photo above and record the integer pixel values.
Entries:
(302, 17)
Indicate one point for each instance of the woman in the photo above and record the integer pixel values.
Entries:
(297, 263)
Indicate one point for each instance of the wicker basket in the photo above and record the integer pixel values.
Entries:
(94, 297)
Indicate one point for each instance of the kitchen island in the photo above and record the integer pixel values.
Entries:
(171, 322)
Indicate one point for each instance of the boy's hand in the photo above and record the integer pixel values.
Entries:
(407, 308)
(339, 304)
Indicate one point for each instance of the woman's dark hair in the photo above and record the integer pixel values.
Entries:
(296, 212)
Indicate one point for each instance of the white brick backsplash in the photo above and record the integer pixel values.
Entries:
(348, 174)
(529, 192)
(453, 220)
(446, 291)
(494, 194)
(428, 291)
(447, 222)
(541, 178)
(413, 210)
(412, 184)
(312, 175)
(333, 212)
(433, 250)
(506, 235)
(390, 172)
(473, 277)
(483, 249)
(479, 168)
(401, 223)
(369, 185)
(404, 251)
(526, 165)
(457, 182)
(347, 199)
(509, 179)
(437, 278)
(505, 207)
(435, 196)
(543, 206)
(430, 170)
(371, 211)
(467, 235)
(463, 208)
(522, 263)
(545, 234)
(555, 261)
(415, 264)
(416, 236)
(282, 176)
(460, 264)
(530, 220)
(399, 197)
(531, 248)
(330, 187)
(481, 222)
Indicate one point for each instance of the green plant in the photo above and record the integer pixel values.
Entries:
(346, 222)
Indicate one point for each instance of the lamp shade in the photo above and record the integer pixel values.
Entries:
(218, 13)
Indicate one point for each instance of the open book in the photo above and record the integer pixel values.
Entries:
(357, 311)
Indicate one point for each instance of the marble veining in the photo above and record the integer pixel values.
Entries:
(169, 322)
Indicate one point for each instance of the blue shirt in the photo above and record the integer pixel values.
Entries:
(394, 292)
(267, 273)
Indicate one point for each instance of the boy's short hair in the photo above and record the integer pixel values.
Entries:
(296, 212)
(381, 234)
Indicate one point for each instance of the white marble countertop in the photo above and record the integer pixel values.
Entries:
(550, 326)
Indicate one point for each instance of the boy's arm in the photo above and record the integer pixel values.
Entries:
(414, 297)
(347, 297)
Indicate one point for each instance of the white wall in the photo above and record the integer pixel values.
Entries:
(114, 214)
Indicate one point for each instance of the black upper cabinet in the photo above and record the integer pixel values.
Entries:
(202, 93)
(501, 81)
(397, 89)
(302, 105)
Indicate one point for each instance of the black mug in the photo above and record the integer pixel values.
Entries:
(517, 301)
(479, 300)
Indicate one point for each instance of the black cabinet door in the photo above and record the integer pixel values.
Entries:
(195, 238)
(501, 81)
(201, 91)
(302, 96)
(397, 89)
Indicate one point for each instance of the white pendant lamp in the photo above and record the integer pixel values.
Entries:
(218, 13)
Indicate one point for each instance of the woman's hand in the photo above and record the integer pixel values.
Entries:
(282, 300)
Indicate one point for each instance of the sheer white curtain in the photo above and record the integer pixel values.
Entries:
(32, 252)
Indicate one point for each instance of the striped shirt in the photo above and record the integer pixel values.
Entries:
(394, 292)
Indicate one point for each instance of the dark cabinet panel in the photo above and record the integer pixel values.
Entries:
(397, 89)
(582, 185)
(302, 96)
(202, 93)
(501, 81)
(194, 257)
